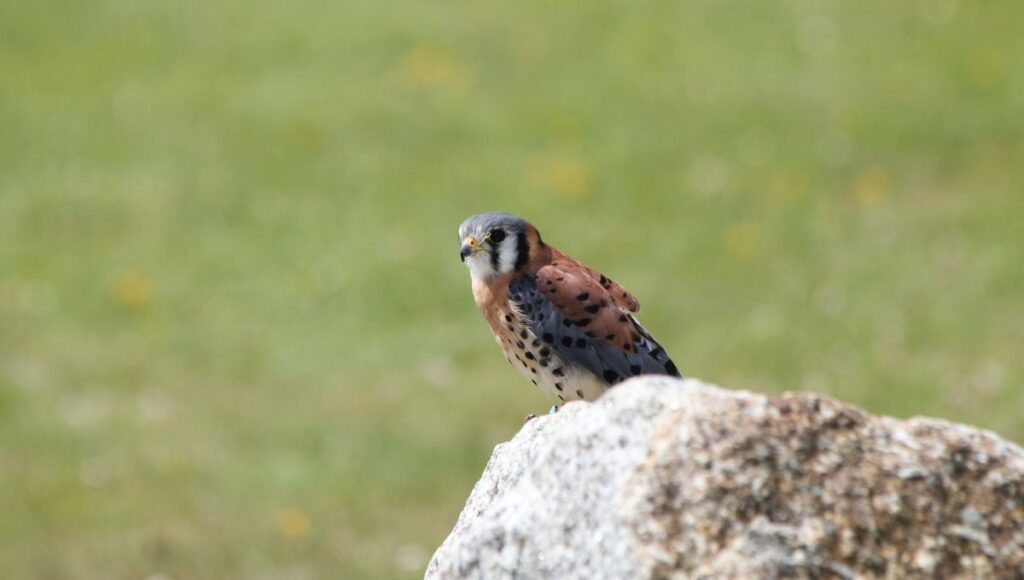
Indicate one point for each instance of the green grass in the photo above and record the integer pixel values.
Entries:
(235, 340)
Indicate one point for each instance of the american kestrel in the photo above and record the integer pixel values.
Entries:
(563, 325)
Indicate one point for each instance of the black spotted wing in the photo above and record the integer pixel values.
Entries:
(594, 333)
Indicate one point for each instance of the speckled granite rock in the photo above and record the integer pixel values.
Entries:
(664, 478)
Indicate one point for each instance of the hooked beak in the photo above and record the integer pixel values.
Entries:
(469, 247)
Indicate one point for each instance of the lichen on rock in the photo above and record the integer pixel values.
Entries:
(664, 478)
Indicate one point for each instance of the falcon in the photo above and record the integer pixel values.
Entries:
(564, 326)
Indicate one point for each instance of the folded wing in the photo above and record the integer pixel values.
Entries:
(587, 319)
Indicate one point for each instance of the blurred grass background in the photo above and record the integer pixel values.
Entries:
(235, 339)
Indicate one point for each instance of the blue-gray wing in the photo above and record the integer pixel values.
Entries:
(593, 333)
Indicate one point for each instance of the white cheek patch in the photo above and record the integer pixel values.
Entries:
(507, 254)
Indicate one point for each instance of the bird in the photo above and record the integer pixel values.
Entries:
(566, 327)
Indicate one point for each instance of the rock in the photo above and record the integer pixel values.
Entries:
(664, 478)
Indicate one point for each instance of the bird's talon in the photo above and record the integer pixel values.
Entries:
(553, 410)
(528, 417)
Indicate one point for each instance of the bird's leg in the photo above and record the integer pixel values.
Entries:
(551, 411)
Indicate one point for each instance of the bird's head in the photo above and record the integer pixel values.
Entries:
(496, 243)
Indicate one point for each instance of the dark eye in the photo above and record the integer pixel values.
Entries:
(496, 236)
